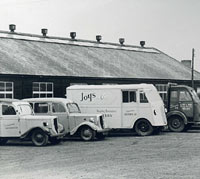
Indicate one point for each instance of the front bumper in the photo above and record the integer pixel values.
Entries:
(58, 136)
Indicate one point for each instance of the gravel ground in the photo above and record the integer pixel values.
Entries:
(164, 156)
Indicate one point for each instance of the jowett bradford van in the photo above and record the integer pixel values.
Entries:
(87, 126)
(136, 106)
(17, 121)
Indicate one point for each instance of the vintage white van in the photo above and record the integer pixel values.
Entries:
(17, 121)
(135, 106)
(87, 126)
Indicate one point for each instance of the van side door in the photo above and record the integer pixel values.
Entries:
(59, 110)
(185, 104)
(129, 108)
(10, 121)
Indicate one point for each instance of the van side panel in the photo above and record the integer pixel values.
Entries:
(107, 102)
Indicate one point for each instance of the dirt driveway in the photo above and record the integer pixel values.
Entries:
(168, 155)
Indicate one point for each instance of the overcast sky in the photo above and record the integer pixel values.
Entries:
(172, 26)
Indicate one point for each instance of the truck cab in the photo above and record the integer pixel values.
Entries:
(183, 108)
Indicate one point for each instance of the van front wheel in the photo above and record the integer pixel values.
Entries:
(143, 127)
(87, 133)
(39, 138)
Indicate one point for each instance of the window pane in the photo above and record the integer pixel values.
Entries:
(174, 96)
(143, 98)
(8, 110)
(41, 108)
(8, 95)
(73, 108)
(42, 95)
(2, 96)
(49, 95)
(132, 96)
(49, 87)
(42, 87)
(36, 95)
(35, 86)
(8, 86)
(2, 87)
(57, 107)
(125, 96)
(184, 96)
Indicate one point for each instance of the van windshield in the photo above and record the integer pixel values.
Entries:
(73, 108)
(25, 109)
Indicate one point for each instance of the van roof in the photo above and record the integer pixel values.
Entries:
(64, 100)
(8, 100)
(128, 86)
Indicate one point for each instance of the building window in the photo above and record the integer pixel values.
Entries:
(42, 90)
(162, 90)
(6, 89)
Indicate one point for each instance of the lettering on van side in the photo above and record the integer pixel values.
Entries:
(86, 97)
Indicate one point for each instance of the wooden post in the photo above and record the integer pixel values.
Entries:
(192, 68)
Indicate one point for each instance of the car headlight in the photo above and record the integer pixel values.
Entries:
(45, 124)
(91, 119)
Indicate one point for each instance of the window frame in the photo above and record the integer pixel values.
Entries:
(42, 93)
(129, 96)
(4, 92)
(162, 90)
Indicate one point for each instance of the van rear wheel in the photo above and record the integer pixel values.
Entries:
(143, 127)
(176, 124)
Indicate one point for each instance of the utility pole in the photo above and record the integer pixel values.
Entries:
(193, 68)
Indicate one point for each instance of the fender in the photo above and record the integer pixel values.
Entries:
(87, 123)
(26, 134)
(140, 119)
(178, 113)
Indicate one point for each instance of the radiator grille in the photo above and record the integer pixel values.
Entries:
(101, 122)
(56, 124)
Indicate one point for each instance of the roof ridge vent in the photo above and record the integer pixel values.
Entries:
(12, 27)
(73, 35)
(142, 43)
(121, 41)
(44, 32)
(98, 38)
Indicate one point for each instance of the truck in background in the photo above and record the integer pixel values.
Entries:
(136, 106)
(183, 107)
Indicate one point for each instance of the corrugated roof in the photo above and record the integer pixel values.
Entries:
(34, 55)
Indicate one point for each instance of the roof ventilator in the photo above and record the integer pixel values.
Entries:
(142, 43)
(12, 27)
(98, 38)
(44, 32)
(73, 35)
(121, 41)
